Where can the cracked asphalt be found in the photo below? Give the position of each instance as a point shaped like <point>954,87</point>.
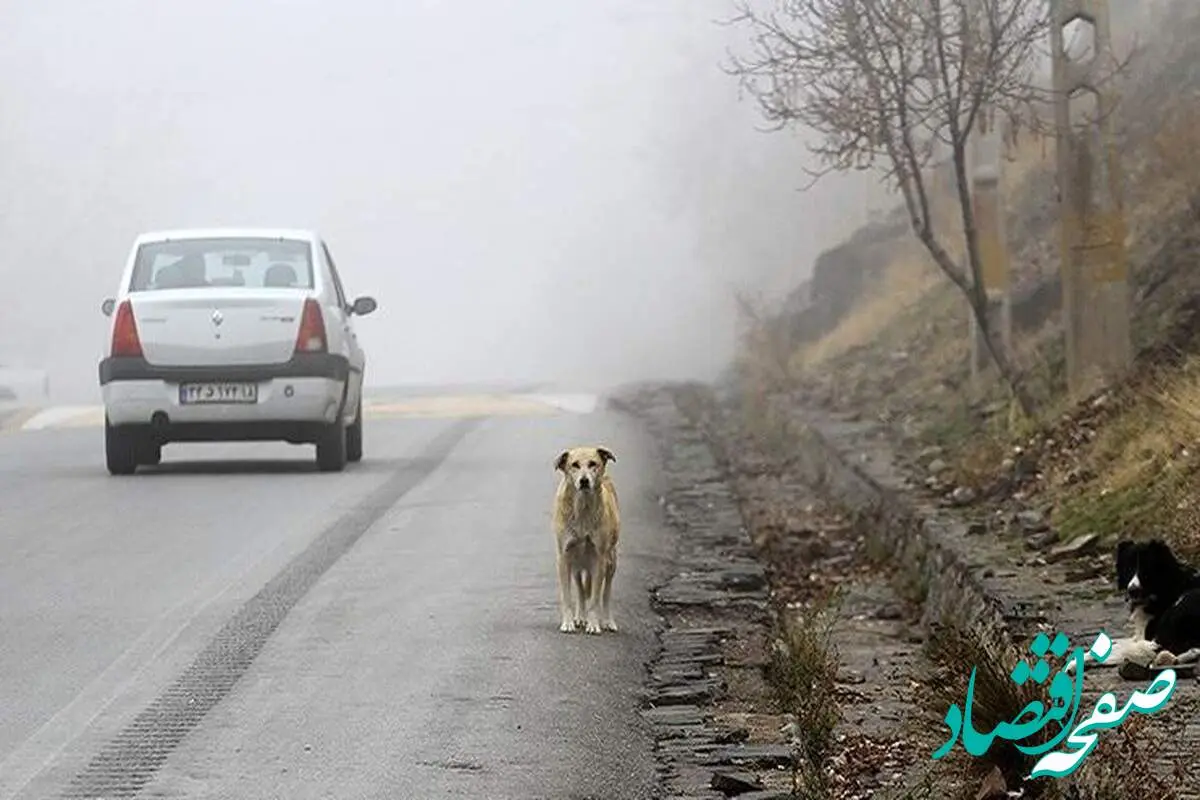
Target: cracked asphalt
<point>234,624</point>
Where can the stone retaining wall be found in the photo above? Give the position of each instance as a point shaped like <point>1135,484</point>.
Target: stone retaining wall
<point>980,581</point>
<point>854,468</point>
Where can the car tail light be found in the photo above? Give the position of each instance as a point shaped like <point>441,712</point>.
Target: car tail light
<point>311,338</point>
<point>125,339</point>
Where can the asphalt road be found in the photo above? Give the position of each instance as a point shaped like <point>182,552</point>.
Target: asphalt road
<point>234,624</point>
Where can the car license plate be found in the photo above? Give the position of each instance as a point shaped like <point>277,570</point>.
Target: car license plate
<point>217,393</point>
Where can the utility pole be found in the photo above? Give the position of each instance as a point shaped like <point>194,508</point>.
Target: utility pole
<point>986,168</point>
<point>987,210</point>
<point>1095,275</point>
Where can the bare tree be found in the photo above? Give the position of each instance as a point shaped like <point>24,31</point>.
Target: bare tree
<point>897,86</point>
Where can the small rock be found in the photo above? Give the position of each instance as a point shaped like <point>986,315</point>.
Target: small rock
<point>993,786</point>
<point>1087,572</point>
<point>851,677</point>
<point>929,454</point>
<point>674,715</point>
<point>731,783</point>
<point>1040,541</point>
<point>1032,521</point>
<point>733,736</point>
<point>1007,465</point>
<point>1074,476</point>
<point>976,529</point>
<point>962,496</point>
<point>1079,546</point>
<point>1133,671</point>
<point>1024,467</point>
<point>760,756</point>
<point>994,408</point>
<point>890,612</point>
<point>938,466</point>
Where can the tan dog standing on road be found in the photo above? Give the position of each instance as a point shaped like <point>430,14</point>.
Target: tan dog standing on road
<point>587,526</point>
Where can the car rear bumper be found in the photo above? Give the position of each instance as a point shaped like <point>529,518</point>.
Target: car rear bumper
<point>283,403</point>
<point>302,365</point>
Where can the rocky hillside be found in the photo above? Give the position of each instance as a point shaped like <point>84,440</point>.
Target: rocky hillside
<point>878,331</point>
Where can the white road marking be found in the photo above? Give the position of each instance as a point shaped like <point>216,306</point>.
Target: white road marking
<point>435,406</point>
<point>62,417</point>
<point>574,403</point>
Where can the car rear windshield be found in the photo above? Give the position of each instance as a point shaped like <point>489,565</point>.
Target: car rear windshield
<point>200,263</point>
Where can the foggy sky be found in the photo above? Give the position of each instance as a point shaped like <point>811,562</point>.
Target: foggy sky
<point>561,190</point>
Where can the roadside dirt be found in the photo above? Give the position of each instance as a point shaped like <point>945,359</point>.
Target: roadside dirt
<point>738,503</point>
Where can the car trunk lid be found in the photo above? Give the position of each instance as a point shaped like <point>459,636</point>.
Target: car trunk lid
<point>215,327</point>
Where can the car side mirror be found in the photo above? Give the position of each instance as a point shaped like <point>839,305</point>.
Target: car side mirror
<point>107,307</point>
<point>363,306</point>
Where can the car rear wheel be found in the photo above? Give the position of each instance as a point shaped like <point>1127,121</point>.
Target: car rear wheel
<point>354,437</point>
<point>150,454</point>
<point>331,448</point>
<point>120,450</point>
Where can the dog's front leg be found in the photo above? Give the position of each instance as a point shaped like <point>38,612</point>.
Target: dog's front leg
<point>564,596</point>
<point>592,592</point>
<point>610,570</point>
<point>583,611</point>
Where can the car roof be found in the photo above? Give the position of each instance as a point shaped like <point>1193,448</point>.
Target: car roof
<point>228,233</point>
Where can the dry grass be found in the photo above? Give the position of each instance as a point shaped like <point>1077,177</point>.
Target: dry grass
<point>1172,171</point>
<point>1121,766</point>
<point>906,281</point>
<point>914,309</point>
<point>1142,467</point>
<point>802,671</point>
<point>954,650</point>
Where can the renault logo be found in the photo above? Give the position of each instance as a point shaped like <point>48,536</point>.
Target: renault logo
<point>217,317</point>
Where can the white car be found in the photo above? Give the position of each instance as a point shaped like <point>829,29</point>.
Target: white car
<point>232,335</point>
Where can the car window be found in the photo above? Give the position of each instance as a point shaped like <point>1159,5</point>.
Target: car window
<point>211,263</point>
<point>337,279</point>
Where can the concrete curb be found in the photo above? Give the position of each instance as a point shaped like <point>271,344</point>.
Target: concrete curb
<point>716,594</point>
<point>852,465</point>
<point>929,546</point>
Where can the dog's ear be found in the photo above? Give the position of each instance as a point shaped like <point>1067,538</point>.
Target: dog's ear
<point>1160,552</point>
<point>1123,549</point>
<point>606,454</point>
<point>561,463</point>
<point>1126,562</point>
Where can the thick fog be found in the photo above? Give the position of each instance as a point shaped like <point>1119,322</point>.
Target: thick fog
<point>534,190</point>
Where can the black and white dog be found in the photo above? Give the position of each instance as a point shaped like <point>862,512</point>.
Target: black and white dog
<point>1163,595</point>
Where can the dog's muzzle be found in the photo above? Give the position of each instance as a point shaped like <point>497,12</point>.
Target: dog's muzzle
<point>1135,593</point>
<point>585,484</point>
<point>1137,597</point>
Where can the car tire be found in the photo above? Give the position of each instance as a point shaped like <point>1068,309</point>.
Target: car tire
<point>331,448</point>
<point>354,437</point>
<point>150,454</point>
<point>120,450</point>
